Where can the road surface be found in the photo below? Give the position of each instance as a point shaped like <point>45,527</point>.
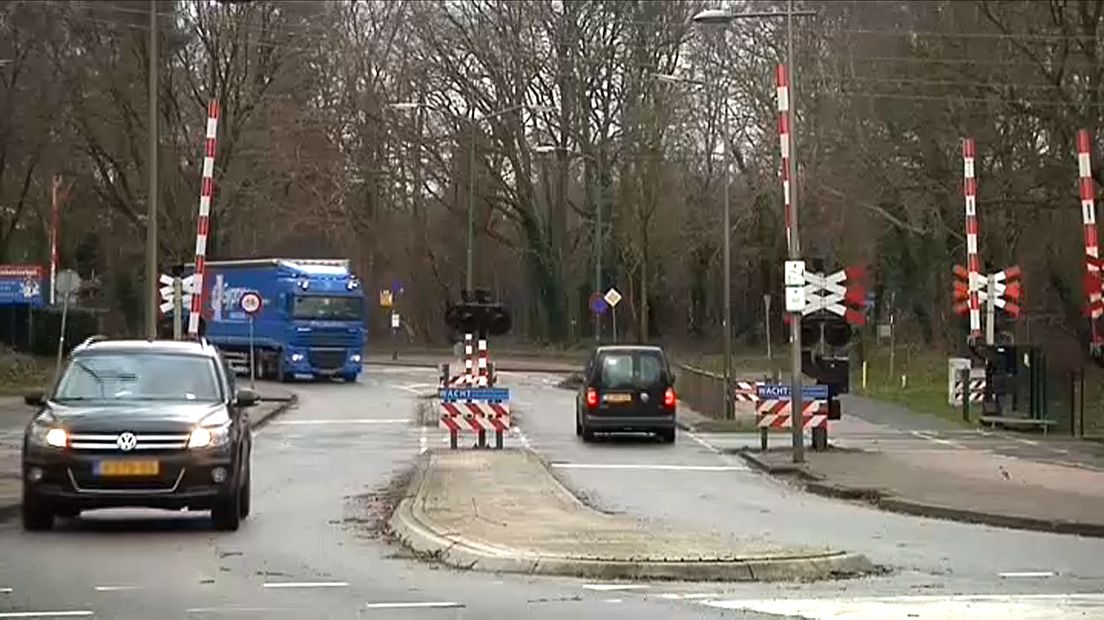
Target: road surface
<point>311,549</point>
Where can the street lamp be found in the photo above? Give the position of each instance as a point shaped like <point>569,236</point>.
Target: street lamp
<point>726,231</point>
<point>720,17</point>
<point>151,221</point>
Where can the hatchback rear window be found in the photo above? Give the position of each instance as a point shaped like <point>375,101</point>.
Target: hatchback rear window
<point>631,369</point>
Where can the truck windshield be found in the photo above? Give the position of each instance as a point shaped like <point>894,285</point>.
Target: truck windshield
<point>326,308</point>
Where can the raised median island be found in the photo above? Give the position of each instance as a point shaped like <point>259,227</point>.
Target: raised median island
<point>504,511</point>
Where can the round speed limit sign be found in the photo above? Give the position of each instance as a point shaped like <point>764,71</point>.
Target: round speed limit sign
<point>251,303</point>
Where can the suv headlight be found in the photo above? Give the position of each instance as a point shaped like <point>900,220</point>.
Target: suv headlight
<point>212,431</point>
<point>44,433</point>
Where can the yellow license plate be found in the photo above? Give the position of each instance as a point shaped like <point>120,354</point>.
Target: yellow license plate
<point>618,398</point>
<point>128,468</point>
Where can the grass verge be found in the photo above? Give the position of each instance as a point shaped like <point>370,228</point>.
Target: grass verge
<point>20,373</point>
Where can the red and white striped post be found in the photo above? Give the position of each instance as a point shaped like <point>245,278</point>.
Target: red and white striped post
<point>469,359</point>
<point>482,374</point>
<point>203,221</point>
<point>1088,218</point>
<point>55,223</point>
<point>973,264</point>
<point>783,86</point>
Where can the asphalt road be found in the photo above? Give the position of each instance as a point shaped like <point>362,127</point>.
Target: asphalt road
<point>310,549</point>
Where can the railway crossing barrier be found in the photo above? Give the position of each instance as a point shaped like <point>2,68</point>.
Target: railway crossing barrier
<point>774,411</point>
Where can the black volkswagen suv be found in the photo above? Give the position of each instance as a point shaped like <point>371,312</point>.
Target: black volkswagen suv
<point>627,388</point>
<point>154,424</point>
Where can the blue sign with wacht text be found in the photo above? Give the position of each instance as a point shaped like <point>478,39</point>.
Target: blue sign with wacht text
<point>491,395</point>
<point>782,392</point>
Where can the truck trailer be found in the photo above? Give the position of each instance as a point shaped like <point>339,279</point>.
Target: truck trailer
<point>311,323</point>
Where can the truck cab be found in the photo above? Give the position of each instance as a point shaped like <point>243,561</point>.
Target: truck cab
<point>311,324</point>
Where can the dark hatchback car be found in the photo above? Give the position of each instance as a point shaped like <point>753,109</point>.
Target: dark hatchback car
<point>627,388</point>
<point>154,424</point>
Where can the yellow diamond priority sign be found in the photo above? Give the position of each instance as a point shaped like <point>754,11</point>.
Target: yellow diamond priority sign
<point>385,298</point>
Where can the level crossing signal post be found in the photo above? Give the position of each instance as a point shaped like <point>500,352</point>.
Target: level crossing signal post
<point>471,402</point>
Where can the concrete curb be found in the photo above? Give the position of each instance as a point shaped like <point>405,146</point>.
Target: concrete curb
<point>417,532</point>
<point>817,485</point>
<point>8,511</point>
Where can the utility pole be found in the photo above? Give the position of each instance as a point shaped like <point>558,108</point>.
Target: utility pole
<point>795,254</point>
<point>151,214</point>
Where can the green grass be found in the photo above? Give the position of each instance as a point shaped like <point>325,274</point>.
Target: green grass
<point>21,373</point>
<point>924,389</point>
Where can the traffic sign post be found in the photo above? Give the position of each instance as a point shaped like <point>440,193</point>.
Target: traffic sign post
<point>67,284</point>
<point>395,322</point>
<point>251,304</point>
<point>613,297</point>
<point>176,293</point>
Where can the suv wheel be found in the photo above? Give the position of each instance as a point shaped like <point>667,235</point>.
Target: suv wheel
<point>36,515</point>
<point>226,513</point>
<point>667,435</point>
<point>245,493</point>
<point>588,435</point>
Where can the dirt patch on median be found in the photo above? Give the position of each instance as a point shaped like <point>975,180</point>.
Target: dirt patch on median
<point>368,514</point>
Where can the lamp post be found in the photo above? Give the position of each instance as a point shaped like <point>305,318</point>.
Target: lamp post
<point>151,205</point>
<point>722,18</point>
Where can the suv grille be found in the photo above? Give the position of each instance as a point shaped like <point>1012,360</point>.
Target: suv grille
<point>84,481</point>
<point>102,442</point>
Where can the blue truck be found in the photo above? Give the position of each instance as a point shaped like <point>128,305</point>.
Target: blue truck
<point>311,323</point>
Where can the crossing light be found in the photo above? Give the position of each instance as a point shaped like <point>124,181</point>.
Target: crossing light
<point>478,314</point>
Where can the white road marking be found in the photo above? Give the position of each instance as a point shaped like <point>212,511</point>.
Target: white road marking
<point>307,584</point>
<point>933,438</point>
<point>236,610</point>
<point>81,613</point>
<point>614,600</point>
<point>114,588</point>
<point>649,466</point>
<point>415,388</point>
<point>1028,574</point>
<point>5,590</point>
<point>672,596</point>
<point>423,605</point>
<point>611,587</point>
<point>1020,606</point>
<point>348,421</point>
<point>423,442</point>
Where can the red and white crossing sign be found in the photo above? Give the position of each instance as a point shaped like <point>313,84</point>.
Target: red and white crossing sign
<point>1007,290</point>
<point>842,293</point>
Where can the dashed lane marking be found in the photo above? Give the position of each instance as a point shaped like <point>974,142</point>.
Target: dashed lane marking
<point>650,466</point>
<point>934,439</point>
<point>1022,606</point>
<point>423,442</point>
<point>114,588</point>
<point>5,590</point>
<point>415,605</point>
<point>222,611</point>
<point>1029,574</point>
<point>339,421</point>
<point>306,584</point>
<point>522,438</point>
<point>75,613</point>
<point>613,587</point>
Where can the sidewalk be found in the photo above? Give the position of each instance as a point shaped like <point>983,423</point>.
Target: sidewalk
<point>502,510</point>
<point>14,415</point>
<point>927,466</point>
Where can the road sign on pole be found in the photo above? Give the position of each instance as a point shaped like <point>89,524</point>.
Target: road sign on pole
<point>386,298</point>
<point>613,297</point>
<point>251,304</point>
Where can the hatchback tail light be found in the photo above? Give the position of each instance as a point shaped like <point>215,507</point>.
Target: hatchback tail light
<point>669,398</point>
<point>592,398</point>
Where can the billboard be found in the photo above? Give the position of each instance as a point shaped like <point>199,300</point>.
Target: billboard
<point>21,285</point>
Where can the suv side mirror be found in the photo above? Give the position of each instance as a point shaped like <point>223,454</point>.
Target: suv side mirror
<point>246,398</point>
<point>35,399</point>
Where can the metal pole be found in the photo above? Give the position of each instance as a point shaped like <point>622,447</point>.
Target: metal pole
<point>252,358</point>
<point>990,311</point>
<point>726,321</point>
<point>469,279</point>
<point>613,314</point>
<point>767,323</point>
<point>964,381</point>
<point>151,214</point>
<point>598,260</point>
<point>61,338</point>
<point>178,309</point>
<point>795,254</point>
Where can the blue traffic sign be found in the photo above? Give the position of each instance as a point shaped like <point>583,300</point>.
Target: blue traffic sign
<point>782,392</point>
<point>491,395</point>
<point>598,304</point>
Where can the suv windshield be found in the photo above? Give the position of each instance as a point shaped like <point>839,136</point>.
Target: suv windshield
<point>139,376</point>
<point>326,308</point>
<point>630,369</point>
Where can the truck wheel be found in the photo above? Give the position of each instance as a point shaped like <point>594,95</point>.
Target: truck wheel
<point>280,367</point>
<point>349,378</point>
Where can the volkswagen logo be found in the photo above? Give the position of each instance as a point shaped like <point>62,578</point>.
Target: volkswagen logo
<point>126,442</point>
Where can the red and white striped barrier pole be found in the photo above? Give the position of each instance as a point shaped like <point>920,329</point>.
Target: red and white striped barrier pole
<point>1092,249</point>
<point>469,360</point>
<point>55,222</point>
<point>203,221</point>
<point>783,85</point>
<point>482,371</point>
<point>973,264</point>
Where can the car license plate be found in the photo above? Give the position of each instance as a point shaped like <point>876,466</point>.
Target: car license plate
<point>127,468</point>
<point>618,398</point>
